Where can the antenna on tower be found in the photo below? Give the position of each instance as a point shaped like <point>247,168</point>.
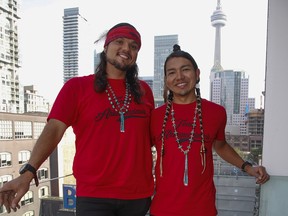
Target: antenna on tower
<point>218,4</point>
<point>218,20</point>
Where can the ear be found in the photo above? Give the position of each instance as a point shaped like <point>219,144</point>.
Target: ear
<point>105,49</point>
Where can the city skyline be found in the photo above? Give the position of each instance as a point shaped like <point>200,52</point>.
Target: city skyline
<point>243,37</point>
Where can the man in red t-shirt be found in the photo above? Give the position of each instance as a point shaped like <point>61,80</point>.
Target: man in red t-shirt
<point>184,131</point>
<point>110,115</point>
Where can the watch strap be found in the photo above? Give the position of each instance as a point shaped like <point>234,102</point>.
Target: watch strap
<point>246,163</point>
<point>30,168</point>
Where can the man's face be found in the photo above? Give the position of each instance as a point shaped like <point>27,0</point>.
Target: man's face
<point>122,53</point>
<point>181,79</point>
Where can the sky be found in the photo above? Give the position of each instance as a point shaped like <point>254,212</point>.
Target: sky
<point>243,38</point>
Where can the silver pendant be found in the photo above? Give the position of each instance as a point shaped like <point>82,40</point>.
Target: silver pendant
<point>185,179</point>
<point>122,119</point>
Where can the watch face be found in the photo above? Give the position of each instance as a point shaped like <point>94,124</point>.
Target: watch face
<point>23,168</point>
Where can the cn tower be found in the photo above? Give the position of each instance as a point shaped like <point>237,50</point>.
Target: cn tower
<point>218,20</point>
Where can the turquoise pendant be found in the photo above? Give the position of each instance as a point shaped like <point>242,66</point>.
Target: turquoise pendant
<point>122,119</point>
<point>185,179</point>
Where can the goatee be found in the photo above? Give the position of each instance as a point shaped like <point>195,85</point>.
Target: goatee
<point>118,65</point>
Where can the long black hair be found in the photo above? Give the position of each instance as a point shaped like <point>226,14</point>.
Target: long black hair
<point>100,83</point>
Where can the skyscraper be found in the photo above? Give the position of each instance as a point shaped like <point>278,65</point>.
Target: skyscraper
<point>229,88</point>
<point>163,46</point>
<point>10,96</point>
<point>76,48</point>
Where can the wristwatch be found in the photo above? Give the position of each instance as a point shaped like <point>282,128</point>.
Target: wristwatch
<point>30,168</point>
<point>246,163</point>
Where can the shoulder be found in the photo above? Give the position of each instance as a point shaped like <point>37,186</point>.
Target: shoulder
<point>144,85</point>
<point>147,91</point>
<point>80,79</point>
<point>213,106</point>
<point>80,82</point>
<point>213,112</point>
<point>159,111</point>
<point>157,116</point>
<point>77,85</point>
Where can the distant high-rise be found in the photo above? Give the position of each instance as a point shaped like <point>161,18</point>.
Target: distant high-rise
<point>255,127</point>
<point>33,102</point>
<point>163,46</point>
<point>74,45</point>
<point>10,96</point>
<point>229,88</point>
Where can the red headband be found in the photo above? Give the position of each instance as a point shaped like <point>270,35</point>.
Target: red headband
<point>123,31</point>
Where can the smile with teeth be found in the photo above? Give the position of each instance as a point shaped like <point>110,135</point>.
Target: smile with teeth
<point>124,56</point>
<point>181,85</point>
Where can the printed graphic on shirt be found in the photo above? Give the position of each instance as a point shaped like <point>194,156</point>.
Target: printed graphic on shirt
<point>183,128</point>
<point>109,112</point>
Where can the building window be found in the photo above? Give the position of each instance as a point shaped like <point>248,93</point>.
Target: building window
<point>43,192</point>
<point>42,173</point>
<point>23,156</point>
<point>2,209</point>
<point>5,159</point>
<point>23,130</point>
<point>4,179</point>
<point>38,128</point>
<point>27,198</point>
<point>29,213</point>
<point>6,130</point>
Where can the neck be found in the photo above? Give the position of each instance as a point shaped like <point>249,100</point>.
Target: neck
<point>114,73</point>
<point>184,100</point>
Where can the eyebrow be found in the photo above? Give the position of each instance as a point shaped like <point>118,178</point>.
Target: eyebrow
<point>182,66</point>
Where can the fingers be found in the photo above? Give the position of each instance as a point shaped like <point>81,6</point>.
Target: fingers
<point>16,199</point>
<point>260,173</point>
<point>263,179</point>
<point>4,196</point>
<point>7,199</point>
<point>11,198</point>
<point>12,192</point>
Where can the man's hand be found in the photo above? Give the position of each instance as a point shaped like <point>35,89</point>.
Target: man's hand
<point>12,192</point>
<point>259,172</point>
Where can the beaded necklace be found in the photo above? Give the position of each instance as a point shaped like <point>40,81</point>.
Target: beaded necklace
<point>198,110</point>
<point>180,147</point>
<point>116,104</point>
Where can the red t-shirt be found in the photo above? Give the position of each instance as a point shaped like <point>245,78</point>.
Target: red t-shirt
<point>107,162</point>
<point>172,197</point>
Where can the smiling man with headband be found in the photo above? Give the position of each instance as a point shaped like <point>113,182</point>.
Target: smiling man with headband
<point>109,112</point>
